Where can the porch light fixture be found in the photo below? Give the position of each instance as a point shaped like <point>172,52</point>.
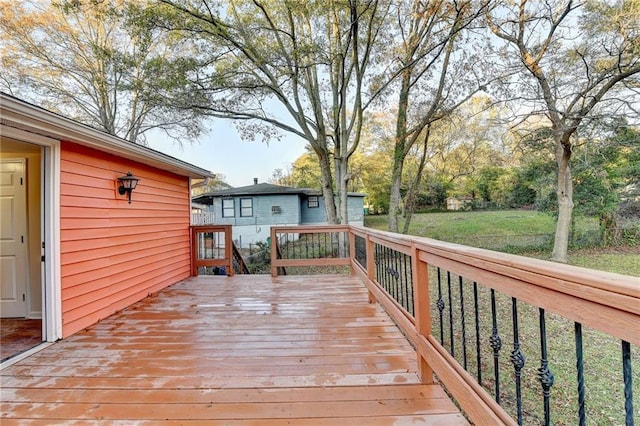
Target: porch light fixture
<point>127,184</point>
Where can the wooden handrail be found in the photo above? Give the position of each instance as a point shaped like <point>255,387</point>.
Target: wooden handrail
<point>226,261</point>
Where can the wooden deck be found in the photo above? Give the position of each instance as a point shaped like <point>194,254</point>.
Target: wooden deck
<point>232,350</point>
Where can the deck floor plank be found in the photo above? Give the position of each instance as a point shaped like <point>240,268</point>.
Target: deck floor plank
<point>238,350</point>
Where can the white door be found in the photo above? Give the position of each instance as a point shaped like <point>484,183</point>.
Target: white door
<point>13,238</point>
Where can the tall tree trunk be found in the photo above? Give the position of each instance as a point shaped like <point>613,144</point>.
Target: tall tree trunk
<point>410,199</point>
<point>327,188</point>
<point>344,192</point>
<point>564,193</point>
<point>395,196</point>
<point>399,152</point>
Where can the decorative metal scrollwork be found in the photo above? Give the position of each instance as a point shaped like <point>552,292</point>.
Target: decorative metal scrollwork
<point>395,274</point>
<point>495,341</point>
<point>518,359</point>
<point>546,377</point>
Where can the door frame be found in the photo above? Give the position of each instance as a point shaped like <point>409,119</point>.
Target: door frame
<point>22,252</point>
<point>50,229</point>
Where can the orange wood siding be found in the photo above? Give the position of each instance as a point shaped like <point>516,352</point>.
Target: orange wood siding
<point>114,253</point>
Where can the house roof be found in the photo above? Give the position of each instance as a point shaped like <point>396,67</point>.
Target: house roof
<point>22,116</point>
<point>260,189</point>
<point>255,189</point>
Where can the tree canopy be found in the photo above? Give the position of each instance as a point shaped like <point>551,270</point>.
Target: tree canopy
<point>409,100</point>
<point>298,67</point>
<point>92,61</point>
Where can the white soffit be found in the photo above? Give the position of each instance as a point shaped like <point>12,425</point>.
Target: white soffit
<point>24,116</point>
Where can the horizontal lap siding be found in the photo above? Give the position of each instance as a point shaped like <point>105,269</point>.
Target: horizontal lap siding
<point>114,253</point>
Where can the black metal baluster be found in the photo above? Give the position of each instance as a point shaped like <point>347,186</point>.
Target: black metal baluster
<point>582,418</point>
<point>517,358</point>
<point>496,344</point>
<point>410,287</point>
<point>440,305</point>
<point>397,264</point>
<point>387,282</point>
<point>405,284</point>
<point>376,253</point>
<point>453,352</point>
<point>464,328</point>
<point>326,246</point>
<point>396,292</point>
<point>477,318</point>
<point>400,274</point>
<point>385,257</point>
<point>544,373</point>
<point>383,265</point>
<point>628,390</point>
<point>396,269</point>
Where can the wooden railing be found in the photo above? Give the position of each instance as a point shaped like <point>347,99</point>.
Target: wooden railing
<point>211,247</point>
<point>199,219</point>
<point>307,246</point>
<point>462,306</point>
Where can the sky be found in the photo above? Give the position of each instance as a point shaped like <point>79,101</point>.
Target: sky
<point>222,151</point>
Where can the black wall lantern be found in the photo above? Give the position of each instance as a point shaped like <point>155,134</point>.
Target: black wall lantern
<point>127,184</point>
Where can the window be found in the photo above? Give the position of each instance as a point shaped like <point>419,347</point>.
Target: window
<point>313,202</point>
<point>246,207</point>
<point>228,208</point>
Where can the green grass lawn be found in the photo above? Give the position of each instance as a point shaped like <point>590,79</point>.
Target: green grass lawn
<point>460,225</point>
<point>622,261</point>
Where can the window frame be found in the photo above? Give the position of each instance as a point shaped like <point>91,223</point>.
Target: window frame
<point>227,208</point>
<point>242,208</point>
<point>317,202</point>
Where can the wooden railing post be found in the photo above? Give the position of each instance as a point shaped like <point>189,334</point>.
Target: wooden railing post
<point>228,249</point>
<point>421,303</point>
<point>198,246</point>
<point>274,251</point>
<point>352,248</point>
<point>371,265</point>
<point>194,252</point>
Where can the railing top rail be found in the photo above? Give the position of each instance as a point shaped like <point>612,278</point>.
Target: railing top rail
<point>210,228</point>
<point>310,228</point>
<point>609,281</point>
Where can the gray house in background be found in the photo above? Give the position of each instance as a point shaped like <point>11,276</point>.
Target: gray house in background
<point>253,209</point>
